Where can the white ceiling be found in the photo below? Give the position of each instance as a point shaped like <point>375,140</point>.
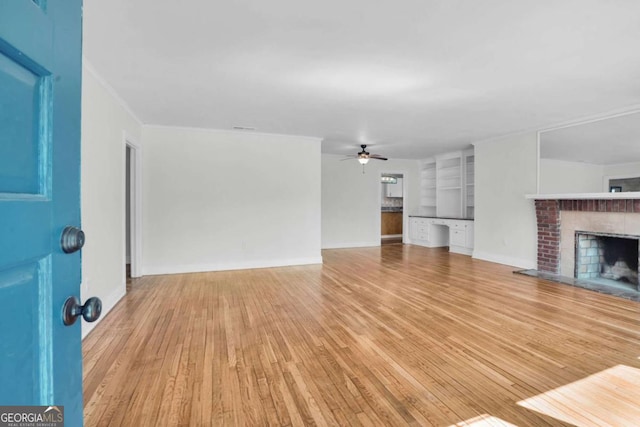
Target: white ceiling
<point>411,78</point>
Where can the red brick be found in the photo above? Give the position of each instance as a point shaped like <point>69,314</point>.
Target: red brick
<point>602,205</point>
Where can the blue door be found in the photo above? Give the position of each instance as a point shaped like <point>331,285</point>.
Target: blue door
<point>40,72</point>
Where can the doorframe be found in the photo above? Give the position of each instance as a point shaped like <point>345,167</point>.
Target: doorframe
<point>135,203</point>
<point>405,214</point>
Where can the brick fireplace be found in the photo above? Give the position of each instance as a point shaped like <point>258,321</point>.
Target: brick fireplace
<point>560,221</point>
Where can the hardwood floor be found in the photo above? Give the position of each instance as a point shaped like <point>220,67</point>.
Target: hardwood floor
<point>391,240</point>
<point>396,335</point>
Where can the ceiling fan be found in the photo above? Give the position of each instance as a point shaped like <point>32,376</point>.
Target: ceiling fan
<point>364,156</point>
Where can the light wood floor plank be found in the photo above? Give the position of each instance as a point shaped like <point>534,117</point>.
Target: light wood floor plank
<point>396,335</point>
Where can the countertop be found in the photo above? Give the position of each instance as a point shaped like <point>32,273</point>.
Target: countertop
<point>385,209</point>
<point>440,217</point>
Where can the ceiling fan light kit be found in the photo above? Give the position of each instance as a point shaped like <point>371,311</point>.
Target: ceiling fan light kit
<point>364,156</point>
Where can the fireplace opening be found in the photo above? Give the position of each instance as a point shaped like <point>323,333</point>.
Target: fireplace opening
<point>607,258</point>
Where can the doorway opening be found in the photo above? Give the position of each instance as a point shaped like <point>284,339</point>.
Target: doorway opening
<point>132,211</point>
<point>391,208</point>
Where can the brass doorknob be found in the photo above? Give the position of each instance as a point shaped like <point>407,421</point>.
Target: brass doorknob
<point>90,311</point>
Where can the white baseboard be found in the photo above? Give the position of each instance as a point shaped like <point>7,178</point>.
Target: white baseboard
<point>390,236</point>
<point>460,250</point>
<point>244,265</point>
<point>506,260</point>
<point>107,304</point>
<point>426,244</point>
<point>347,245</point>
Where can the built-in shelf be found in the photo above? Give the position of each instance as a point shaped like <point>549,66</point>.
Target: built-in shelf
<point>469,176</point>
<point>445,168</point>
<point>428,182</point>
<point>446,185</point>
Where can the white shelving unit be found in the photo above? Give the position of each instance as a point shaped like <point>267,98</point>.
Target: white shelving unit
<point>428,187</point>
<point>469,179</point>
<point>447,185</point>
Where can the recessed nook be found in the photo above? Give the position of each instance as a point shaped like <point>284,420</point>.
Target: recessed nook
<point>608,259</point>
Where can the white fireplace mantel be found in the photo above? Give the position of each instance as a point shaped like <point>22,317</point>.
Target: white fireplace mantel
<point>585,196</point>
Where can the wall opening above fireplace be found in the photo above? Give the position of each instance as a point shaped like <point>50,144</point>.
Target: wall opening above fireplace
<point>602,256</point>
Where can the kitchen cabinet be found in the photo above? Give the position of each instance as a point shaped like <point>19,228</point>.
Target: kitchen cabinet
<point>394,190</point>
<point>391,223</point>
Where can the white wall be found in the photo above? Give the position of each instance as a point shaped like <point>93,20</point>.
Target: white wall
<point>505,222</point>
<point>104,118</point>
<point>559,176</point>
<point>351,200</point>
<point>629,169</point>
<point>220,200</point>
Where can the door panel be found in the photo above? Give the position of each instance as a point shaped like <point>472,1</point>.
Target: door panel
<point>40,69</point>
<point>20,160</point>
<point>27,284</point>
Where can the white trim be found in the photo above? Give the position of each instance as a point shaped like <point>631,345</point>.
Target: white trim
<point>584,196</point>
<point>236,132</point>
<point>405,211</point>
<point>538,162</point>
<point>595,118</point>
<point>505,260</point>
<point>92,70</point>
<point>460,250</point>
<point>584,120</point>
<point>135,202</point>
<point>348,245</point>
<point>199,268</point>
<point>107,305</point>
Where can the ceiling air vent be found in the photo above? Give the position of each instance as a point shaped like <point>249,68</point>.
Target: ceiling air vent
<point>245,128</point>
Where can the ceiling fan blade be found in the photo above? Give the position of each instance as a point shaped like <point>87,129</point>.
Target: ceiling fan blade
<point>377,157</point>
<point>349,158</point>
